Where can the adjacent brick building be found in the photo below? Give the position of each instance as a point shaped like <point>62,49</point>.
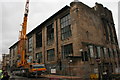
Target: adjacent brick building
<point>77,40</point>
<point>5,62</point>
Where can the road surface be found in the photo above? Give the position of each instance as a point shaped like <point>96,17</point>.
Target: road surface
<point>13,77</point>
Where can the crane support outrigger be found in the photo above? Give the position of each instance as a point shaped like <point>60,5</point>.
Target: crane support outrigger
<point>23,66</point>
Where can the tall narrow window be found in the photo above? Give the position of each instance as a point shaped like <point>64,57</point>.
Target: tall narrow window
<point>106,29</point>
<point>67,50</point>
<point>65,27</point>
<point>110,52</point>
<point>91,51</point>
<point>98,52</point>
<point>50,55</point>
<point>39,57</point>
<point>111,33</point>
<point>102,52</point>
<point>118,54</point>
<point>115,53</point>
<point>14,51</point>
<point>30,44</point>
<point>115,37</point>
<point>50,33</point>
<point>105,52</point>
<point>84,56</point>
<point>39,39</point>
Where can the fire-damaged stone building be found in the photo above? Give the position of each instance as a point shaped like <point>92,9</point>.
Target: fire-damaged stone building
<point>77,40</point>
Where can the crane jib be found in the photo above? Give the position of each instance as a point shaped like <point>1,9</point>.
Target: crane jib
<point>22,37</point>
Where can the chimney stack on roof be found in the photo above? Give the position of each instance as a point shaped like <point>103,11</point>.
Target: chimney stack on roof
<point>75,1</point>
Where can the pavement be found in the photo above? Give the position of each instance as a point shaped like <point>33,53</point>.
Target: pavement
<point>52,77</point>
<point>46,77</point>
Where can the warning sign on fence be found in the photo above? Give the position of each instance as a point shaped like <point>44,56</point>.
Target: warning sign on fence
<point>53,70</point>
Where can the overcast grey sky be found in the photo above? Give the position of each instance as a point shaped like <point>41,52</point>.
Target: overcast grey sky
<point>12,11</point>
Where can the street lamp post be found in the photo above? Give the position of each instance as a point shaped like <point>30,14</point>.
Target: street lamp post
<point>99,68</point>
<point>70,61</point>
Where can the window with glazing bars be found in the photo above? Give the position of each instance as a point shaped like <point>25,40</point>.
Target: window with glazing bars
<point>65,27</point>
<point>39,39</point>
<point>30,44</point>
<point>50,55</point>
<point>98,52</point>
<point>110,52</point>
<point>91,51</point>
<point>50,33</point>
<point>105,52</point>
<point>39,57</point>
<point>67,50</point>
